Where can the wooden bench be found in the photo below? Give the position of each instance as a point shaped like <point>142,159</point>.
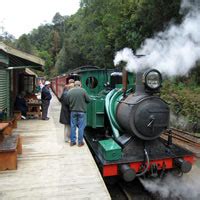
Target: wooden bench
<point>12,124</point>
<point>9,148</point>
<point>3,126</point>
<point>5,129</point>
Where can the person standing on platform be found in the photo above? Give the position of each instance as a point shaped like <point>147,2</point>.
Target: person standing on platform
<point>45,97</point>
<point>65,112</point>
<point>77,99</point>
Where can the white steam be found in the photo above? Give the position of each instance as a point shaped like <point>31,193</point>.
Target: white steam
<point>186,187</point>
<point>174,51</point>
<point>127,56</point>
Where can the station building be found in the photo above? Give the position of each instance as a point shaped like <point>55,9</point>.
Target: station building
<point>16,76</point>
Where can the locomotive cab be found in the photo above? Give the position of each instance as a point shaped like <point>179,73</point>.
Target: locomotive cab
<point>115,78</point>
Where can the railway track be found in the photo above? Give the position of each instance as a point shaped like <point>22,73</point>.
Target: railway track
<point>184,137</point>
<point>185,140</point>
<point>134,190</point>
<point>129,191</point>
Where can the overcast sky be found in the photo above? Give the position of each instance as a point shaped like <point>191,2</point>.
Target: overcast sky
<point>21,16</point>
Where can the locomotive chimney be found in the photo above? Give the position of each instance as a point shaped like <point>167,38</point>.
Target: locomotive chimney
<point>139,87</point>
<point>124,81</point>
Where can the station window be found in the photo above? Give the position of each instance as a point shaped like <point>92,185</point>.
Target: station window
<point>26,83</point>
<point>91,82</point>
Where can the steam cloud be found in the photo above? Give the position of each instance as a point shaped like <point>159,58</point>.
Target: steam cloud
<point>173,52</point>
<point>186,187</point>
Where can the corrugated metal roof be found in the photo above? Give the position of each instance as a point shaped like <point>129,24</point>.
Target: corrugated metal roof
<point>18,58</point>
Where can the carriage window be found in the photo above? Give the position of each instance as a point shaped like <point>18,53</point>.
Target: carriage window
<point>91,82</point>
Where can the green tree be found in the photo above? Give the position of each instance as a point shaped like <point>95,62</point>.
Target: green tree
<point>69,57</point>
<point>40,37</point>
<point>58,18</point>
<point>100,28</point>
<point>55,44</point>
<point>48,62</point>
<point>24,44</point>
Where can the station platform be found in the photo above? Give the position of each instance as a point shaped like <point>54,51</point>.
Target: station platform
<point>49,168</point>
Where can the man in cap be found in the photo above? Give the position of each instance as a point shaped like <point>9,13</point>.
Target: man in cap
<point>46,97</point>
<point>77,99</point>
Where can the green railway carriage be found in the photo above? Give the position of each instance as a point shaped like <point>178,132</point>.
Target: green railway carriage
<point>98,83</point>
<point>93,81</point>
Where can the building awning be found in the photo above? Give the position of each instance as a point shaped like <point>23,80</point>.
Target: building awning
<point>30,72</point>
<point>18,59</point>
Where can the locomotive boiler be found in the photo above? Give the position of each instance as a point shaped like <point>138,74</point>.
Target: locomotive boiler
<point>125,120</point>
<point>147,114</point>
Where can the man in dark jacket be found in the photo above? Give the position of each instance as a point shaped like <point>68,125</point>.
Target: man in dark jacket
<point>65,112</point>
<point>21,105</point>
<point>77,99</point>
<point>46,97</point>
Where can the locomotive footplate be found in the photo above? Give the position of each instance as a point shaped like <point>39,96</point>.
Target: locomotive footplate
<point>133,152</point>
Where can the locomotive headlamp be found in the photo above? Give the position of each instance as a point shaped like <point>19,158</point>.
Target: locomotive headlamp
<point>153,79</point>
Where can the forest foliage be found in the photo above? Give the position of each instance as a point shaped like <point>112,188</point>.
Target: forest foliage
<point>97,31</point>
